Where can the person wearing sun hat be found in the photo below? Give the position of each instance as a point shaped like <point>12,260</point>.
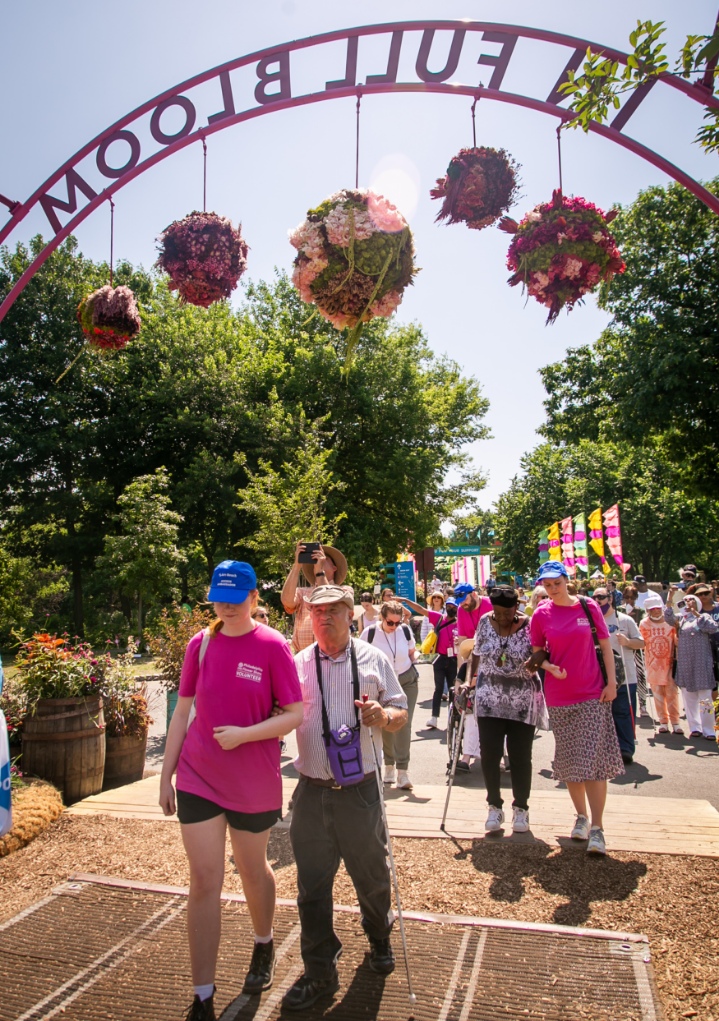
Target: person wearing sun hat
<point>328,567</point>
<point>695,662</point>
<point>228,771</point>
<point>660,643</point>
<point>579,704</point>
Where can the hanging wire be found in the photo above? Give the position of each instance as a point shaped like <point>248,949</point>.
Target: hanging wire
<point>204,175</point>
<point>559,157</point>
<point>357,138</point>
<point>474,122</point>
<point>112,240</point>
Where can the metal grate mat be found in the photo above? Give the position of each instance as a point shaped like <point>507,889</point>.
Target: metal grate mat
<point>96,952</point>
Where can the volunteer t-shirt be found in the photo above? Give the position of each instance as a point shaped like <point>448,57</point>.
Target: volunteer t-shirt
<point>567,635</point>
<point>237,685</point>
<point>445,639</point>
<point>467,620</point>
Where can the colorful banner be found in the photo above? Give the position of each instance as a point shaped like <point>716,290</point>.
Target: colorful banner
<point>580,543</point>
<point>568,546</point>
<point>543,546</point>
<point>596,538</point>
<point>613,532</point>
<point>555,543</point>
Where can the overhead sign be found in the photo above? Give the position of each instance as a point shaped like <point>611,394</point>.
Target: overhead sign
<point>459,551</point>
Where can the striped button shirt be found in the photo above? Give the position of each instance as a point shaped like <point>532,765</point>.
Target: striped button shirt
<point>377,680</point>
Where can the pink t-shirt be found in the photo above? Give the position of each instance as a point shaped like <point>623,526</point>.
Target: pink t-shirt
<point>445,639</point>
<point>566,634</point>
<point>467,620</point>
<point>237,684</point>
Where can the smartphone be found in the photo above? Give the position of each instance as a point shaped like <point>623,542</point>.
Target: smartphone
<point>681,604</point>
<point>305,556</point>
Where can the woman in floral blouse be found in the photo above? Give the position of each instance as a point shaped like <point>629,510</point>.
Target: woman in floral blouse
<point>508,703</point>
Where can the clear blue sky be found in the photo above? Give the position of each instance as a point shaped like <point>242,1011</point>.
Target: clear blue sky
<point>70,69</point>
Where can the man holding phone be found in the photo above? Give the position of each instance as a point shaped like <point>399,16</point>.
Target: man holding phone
<point>320,565</point>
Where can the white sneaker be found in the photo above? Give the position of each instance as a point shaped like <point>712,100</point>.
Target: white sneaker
<point>595,844</point>
<point>403,781</point>
<point>432,722</point>
<point>390,774</point>
<point>581,828</point>
<point>495,819</point>
<point>520,820</point>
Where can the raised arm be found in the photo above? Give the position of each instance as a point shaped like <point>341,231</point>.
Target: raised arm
<point>415,606</point>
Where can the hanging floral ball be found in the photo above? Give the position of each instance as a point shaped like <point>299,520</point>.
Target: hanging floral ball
<point>561,251</point>
<point>204,255</point>
<point>480,185</point>
<point>109,317</point>
<point>355,256</point>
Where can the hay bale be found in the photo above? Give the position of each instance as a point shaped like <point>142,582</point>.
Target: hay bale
<point>34,807</point>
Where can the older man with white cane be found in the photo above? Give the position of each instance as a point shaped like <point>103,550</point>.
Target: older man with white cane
<point>348,687</point>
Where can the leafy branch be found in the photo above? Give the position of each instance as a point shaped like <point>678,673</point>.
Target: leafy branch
<point>603,81</point>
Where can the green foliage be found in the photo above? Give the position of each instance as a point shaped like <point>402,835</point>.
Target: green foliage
<point>52,667</point>
<point>29,593</point>
<point>125,705</point>
<point>290,503</point>
<point>169,639</point>
<point>596,91</point>
<point>13,703</point>
<point>663,526</point>
<point>654,373</point>
<point>144,559</point>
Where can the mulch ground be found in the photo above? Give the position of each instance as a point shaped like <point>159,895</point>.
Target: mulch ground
<point>673,900</point>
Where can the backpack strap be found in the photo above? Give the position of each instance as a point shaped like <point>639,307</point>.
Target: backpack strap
<point>370,636</point>
<point>595,639</point>
<point>204,643</point>
<point>407,632</point>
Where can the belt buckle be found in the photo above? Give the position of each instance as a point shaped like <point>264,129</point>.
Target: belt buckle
<point>336,786</point>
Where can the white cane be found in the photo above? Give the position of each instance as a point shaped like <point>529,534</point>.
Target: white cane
<point>393,870</point>
<point>453,769</point>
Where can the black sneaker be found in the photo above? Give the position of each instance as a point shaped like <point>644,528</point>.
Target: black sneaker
<point>201,1010</point>
<point>307,991</point>
<point>381,958</point>
<point>262,967</point>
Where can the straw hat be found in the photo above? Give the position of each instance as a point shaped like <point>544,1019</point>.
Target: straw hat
<point>466,648</point>
<point>337,559</point>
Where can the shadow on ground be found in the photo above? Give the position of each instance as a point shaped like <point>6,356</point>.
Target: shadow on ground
<point>568,873</point>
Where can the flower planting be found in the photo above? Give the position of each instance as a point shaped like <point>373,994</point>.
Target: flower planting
<point>355,257</point>
<point>480,185</point>
<point>204,256</point>
<point>561,251</point>
<point>109,317</point>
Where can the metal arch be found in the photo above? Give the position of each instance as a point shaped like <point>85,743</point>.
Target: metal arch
<point>20,210</point>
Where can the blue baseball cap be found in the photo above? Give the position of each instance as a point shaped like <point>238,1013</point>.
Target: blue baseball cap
<point>462,591</point>
<point>552,569</point>
<point>451,601</point>
<point>232,582</point>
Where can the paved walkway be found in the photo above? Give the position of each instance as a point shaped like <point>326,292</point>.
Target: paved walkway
<point>656,825</point>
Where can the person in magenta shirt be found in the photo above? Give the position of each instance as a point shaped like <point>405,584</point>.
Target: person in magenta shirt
<point>579,705</point>
<point>445,663</point>
<point>470,607</point>
<point>228,771</point>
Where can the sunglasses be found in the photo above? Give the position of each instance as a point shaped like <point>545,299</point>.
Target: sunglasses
<point>393,623</point>
<point>262,615</point>
<point>601,599</point>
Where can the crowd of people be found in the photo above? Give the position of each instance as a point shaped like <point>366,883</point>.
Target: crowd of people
<point>581,661</point>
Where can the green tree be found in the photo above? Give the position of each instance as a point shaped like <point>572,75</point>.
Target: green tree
<point>655,371</point>
<point>144,559</point>
<point>290,504</point>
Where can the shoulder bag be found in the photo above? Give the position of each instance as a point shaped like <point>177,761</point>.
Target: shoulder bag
<point>618,664</point>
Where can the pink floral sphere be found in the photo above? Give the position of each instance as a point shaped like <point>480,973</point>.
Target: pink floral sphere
<point>204,256</point>
<point>355,256</point>
<point>561,251</point>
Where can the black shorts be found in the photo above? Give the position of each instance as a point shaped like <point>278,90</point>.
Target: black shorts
<point>192,808</point>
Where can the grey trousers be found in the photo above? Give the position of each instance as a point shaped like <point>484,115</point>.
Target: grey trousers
<point>329,825</point>
<point>396,745</point>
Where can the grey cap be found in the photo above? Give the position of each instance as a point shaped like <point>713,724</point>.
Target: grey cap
<point>325,594</point>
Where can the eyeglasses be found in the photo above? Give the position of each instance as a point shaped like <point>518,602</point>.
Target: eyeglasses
<point>392,623</point>
<point>261,616</point>
<point>601,599</point>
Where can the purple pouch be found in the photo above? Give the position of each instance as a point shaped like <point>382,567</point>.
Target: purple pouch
<point>345,755</point>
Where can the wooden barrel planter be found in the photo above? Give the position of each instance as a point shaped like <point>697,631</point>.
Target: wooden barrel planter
<point>64,742</point>
<point>124,759</point>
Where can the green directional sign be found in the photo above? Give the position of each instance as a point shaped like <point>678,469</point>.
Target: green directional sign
<point>460,551</point>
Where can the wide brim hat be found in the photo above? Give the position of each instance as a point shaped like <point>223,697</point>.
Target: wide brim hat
<point>325,594</point>
<point>466,648</point>
<point>337,558</point>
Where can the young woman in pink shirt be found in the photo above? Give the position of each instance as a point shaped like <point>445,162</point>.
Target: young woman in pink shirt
<point>580,704</point>
<point>228,771</point>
